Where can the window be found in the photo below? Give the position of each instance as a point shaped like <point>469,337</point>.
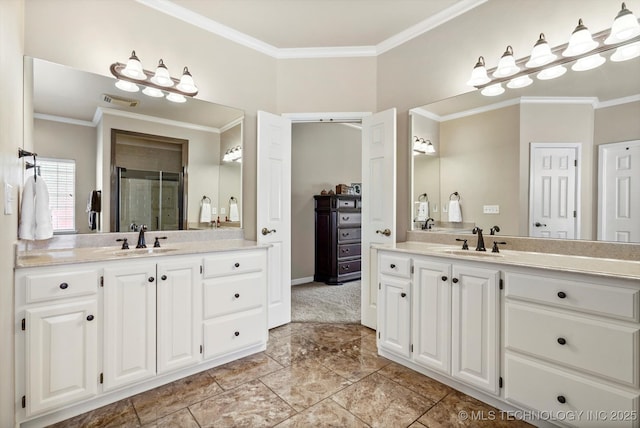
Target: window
<point>60,176</point>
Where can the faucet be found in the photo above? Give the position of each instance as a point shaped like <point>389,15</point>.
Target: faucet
<point>426,225</point>
<point>495,229</point>
<point>480,245</point>
<point>141,243</point>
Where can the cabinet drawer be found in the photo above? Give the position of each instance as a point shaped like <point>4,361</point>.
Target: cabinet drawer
<point>541,387</point>
<point>346,203</point>
<point>349,267</point>
<point>233,262</point>
<point>227,334</point>
<point>395,265</point>
<point>585,296</point>
<point>228,295</point>
<point>349,250</point>
<point>60,285</point>
<point>599,347</point>
<point>345,235</point>
<point>349,219</point>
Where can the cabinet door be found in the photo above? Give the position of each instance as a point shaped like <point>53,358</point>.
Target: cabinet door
<point>129,324</point>
<point>394,326</point>
<point>61,354</point>
<point>475,326</point>
<point>179,315</point>
<point>432,315</point>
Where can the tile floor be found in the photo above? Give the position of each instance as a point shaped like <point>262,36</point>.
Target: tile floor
<point>311,375</point>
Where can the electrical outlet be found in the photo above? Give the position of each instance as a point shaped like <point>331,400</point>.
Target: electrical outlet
<point>434,207</point>
<point>491,209</point>
<point>8,199</point>
<point>223,211</point>
<point>214,210</point>
<point>445,208</point>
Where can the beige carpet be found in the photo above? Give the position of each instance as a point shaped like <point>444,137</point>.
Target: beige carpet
<point>319,302</point>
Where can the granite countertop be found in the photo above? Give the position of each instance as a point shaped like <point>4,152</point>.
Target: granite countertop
<point>626,269</point>
<point>25,259</point>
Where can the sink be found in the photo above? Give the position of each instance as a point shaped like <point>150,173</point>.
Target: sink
<point>473,253</point>
<point>142,251</point>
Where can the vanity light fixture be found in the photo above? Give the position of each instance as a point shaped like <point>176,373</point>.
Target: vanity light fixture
<point>233,154</point>
<point>155,84</point>
<point>584,50</point>
<point>422,146</point>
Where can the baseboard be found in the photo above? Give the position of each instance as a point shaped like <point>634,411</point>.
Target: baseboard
<point>299,281</point>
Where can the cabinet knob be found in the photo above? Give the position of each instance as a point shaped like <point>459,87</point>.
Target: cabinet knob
<point>345,267</point>
<point>237,265</point>
<point>64,286</point>
<point>392,266</point>
<point>90,318</point>
<point>151,279</point>
<point>345,234</point>
<point>561,399</point>
<point>444,277</point>
<point>237,295</point>
<point>237,333</point>
<point>562,341</point>
<point>345,250</point>
<point>163,277</point>
<point>562,294</point>
<point>454,280</point>
<point>345,218</point>
<point>403,294</point>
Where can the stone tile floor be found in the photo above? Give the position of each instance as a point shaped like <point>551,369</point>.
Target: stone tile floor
<point>311,375</point>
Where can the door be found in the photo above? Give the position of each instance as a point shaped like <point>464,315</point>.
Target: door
<point>62,355</point>
<point>378,201</point>
<point>553,187</point>
<point>618,192</point>
<point>395,331</point>
<point>273,224</point>
<point>179,317</point>
<point>432,315</point>
<point>129,324</point>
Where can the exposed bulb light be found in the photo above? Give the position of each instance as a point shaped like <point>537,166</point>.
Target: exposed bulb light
<point>507,64</point>
<point>186,82</point>
<point>233,154</point>
<point>134,69</point>
<point>162,77</point>
<point>519,82</point>
<point>624,53</point>
<point>580,41</point>
<point>422,147</point>
<point>493,90</point>
<point>540,54</point>
<point>127,86</point>
<point>588,63</point>
<point>551,73</point>
<point>625,26</point>
<point>479,74</point>
<point>176,98</point>
<point>152,92</point>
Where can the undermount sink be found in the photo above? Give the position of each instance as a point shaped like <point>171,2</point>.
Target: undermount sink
<point>140,251</point>
<point>473,253</point>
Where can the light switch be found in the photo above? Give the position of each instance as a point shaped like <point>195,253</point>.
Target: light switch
<point>8,199</point>
<point>434,207</point>
<point>491,209</point>
<point>223,211</point>
<point>214,210</point>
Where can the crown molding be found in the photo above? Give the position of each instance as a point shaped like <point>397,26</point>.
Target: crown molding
<point>619,101</point>
<point>593,101</point>
<point>330,117</point>
<point>170,8</point>
<point>231,124</point>
<point>61,119</point>
<point>101,111</point>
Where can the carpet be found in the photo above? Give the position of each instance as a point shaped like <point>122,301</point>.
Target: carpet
<point>319,302</point>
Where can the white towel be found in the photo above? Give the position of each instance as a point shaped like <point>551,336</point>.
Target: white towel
<point>35,215</point>
<point>205,212</point>
<point>234,214</point>
<point>455,213</point>
<point>423,211</point>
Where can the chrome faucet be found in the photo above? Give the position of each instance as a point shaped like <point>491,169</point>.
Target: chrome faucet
<point>480,245</point>
<point>426,225</point>
<point>141,243</point>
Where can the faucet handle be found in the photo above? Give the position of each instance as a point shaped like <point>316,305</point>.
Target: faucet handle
<point>125,244</point>
<point>464,245</point>
<point>156,244</point>
<point>495,248</point>
<point>143,227</point>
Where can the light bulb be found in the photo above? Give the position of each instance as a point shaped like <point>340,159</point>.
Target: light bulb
<point>507,64</point>
<point>176,98</point>
<point>551,73</point>
<point>152,92</point>
<point>519,82</point>
<point>540,54</point>
<point>492,90</point>
<point>127,86</point>
<point>624,27</point>
<point>580,41</point>
<point>624,53</point>
<point>588,63</point>
<point>479,74</point>
<point>186,83</point>
<point>162,77</point>
<point>133,68</point>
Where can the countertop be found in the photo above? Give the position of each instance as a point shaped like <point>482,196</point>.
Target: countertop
<point>614,268</point>
<point>26,259</point>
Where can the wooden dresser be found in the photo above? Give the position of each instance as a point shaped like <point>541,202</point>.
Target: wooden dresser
<point>337,235</point>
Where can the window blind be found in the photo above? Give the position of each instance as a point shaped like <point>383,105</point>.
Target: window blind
<point>60,177</point>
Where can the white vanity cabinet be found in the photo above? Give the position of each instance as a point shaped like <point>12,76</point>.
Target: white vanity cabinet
<point>394,297</point>
<point>57,314</point>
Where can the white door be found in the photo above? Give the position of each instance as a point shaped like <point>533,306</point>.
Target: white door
<point>273,222</point>
<point>129,324</point>
<point>179,323</point>
<point>395,316</point>
<point>62,355</point>
<point>619,192</point>
<point>378,201</point>
<point>553,187</point>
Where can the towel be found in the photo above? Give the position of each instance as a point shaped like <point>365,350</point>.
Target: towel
<point>423,211</point>
<point>455,213</point>
<point>94,206</point>
<point>234,214</point>
<point>35,215</point>
<point>205,211</point>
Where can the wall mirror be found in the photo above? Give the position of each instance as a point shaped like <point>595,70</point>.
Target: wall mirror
<point>486,149</point>
<point>154,162</point>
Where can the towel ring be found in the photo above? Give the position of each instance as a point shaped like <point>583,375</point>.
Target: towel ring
<point>206,199</point>
<point>233,199</point>
<point>423,198</point>
<point>456,194</point>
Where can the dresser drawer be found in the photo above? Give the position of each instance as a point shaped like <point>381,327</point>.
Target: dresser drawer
<point>345,235</point>
<point>233,262</point>
<point>349,267</point>
<point>541,387</point>
<point>349,250</point>
<point>599,347</point>
<point>346,203</point>
<point>227,295</point>
<point>227,334</point>
<point>395,265</point>
<point>349,219</point>
<point>619,302</point>
<point>43,287</point>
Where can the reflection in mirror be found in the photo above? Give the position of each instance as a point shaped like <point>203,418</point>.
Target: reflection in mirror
<point>500,153</point>
<point>128,144</point>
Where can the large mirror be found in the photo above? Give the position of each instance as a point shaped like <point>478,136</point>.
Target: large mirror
<point>148,160</point>
<point>496,157</point>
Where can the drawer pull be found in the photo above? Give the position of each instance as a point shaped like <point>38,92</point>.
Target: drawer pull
<point>562,341</point>
<point>403,294</point>
<point>562,294</point>
<point>454,280</point>
<point>345,218</point>
<point>237,265</point>
<point>237,295</point>
<point>163,277</point>
<point>64,286</point>
<point>444,277</point>
<point>237,333</point>
<point>90,318</point>
<point>345,250</point>
<point>345,267</point>
<point>345,234</point>
<point>392,266</point>
<point>151,279</point>
<point>561,399</point>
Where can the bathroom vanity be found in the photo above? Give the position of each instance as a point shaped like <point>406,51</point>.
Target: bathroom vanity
<point>547,334</point>
<point>95,325</point>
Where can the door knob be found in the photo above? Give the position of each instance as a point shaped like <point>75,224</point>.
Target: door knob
<point>538,224</point>
<point>266,231</point>
<point>385,232</point>
<point>403,294</point>
<point>163,277</point>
